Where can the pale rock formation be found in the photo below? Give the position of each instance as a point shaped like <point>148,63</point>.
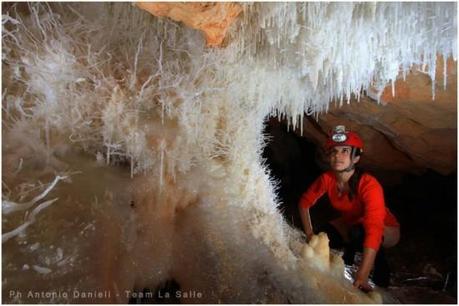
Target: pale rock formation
<point>318,249</point>
<point>422,132</point>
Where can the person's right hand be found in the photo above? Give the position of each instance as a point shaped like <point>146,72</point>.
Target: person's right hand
<point>362,284</point>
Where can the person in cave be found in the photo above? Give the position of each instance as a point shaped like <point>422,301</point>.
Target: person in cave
<point>365,223</point>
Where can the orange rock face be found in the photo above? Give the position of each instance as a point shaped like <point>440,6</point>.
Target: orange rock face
<point>418,89</point>
<point>408,132</point>
<point>213,19</point>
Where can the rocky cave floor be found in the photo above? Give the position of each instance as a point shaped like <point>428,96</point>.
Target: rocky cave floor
<point>424,263</point>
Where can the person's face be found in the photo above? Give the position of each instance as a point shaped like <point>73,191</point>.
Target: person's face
<point>340,158</point>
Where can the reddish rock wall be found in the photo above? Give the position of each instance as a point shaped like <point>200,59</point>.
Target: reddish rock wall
<point>408,132</point>
<point>213,19</point>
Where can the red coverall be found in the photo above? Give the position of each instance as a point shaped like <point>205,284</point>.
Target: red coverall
<point>367,207</point>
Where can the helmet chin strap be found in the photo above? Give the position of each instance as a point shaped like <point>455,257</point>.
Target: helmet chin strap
<point>348,169</point>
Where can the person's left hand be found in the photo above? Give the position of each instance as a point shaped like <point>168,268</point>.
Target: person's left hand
<point>362,285</point>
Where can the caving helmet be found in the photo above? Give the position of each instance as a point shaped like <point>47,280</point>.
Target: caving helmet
<point>339,136</point>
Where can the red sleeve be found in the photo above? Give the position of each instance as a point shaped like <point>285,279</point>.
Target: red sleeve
<point>372,196</point>
<point>314,192</point>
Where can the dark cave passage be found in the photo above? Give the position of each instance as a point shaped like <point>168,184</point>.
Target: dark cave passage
<point>424,263</point>
<point>292,162</point>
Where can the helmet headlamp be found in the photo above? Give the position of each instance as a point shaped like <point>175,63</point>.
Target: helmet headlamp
<point>340,137</point>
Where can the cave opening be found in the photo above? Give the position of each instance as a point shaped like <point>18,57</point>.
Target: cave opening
<point>424,262</point>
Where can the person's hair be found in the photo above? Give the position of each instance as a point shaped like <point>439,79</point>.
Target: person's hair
<point>354,183</point>
<point>355,178</point>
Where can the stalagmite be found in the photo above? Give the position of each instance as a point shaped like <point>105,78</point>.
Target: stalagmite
<point>163,137</point>
<point>319,250</point>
